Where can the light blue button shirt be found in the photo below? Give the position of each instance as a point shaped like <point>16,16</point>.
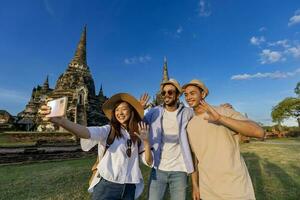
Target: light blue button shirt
<point>154,118</point>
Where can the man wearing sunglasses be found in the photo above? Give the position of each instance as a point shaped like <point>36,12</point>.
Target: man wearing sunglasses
<point>172,156</point>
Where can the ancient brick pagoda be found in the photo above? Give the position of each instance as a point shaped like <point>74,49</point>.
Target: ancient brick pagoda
<point>6,120</point>
<point>159,99</point>
<point>76,83</point>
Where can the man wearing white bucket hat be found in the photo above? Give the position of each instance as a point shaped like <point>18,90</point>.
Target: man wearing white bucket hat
<point>213,135</point>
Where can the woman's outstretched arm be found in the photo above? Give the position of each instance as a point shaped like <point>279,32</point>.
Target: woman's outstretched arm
<point>77,129</point>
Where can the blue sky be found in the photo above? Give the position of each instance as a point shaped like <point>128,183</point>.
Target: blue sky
<point>246,52</point>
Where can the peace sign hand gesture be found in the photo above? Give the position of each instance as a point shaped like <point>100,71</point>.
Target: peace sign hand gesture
<point>213,115</point>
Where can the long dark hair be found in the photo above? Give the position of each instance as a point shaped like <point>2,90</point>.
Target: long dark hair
<point>132,124</point>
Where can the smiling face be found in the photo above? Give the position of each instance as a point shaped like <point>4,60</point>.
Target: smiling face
<point>193,95</point>
<point>170,95</point>
<point>123,113</point>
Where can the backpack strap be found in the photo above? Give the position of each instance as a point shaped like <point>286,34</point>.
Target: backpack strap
<point>139,143</point>
<point>109,140</point>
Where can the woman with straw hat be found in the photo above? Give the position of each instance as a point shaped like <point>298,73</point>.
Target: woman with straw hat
<point>118,175</point>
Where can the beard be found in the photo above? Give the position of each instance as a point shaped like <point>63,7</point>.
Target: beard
<point>170,102</point>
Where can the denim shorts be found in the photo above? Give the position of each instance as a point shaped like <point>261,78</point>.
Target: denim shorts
<point>106,190</point>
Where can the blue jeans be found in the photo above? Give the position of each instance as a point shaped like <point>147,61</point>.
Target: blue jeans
<point>159,180</point>
<point>106,190</point>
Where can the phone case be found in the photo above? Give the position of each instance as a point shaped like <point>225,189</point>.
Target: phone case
<point>58,107</point>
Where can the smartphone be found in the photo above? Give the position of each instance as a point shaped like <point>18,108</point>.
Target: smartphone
<point>58,107</point>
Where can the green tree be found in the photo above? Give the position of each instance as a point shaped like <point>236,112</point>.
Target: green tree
<point>278,115</point>
<point>297,89</point>
<point>289,107</point>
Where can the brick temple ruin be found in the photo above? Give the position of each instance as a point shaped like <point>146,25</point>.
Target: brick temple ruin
<point>77,84</point>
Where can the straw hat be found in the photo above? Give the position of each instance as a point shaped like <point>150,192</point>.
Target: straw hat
<point>110,104</point>
<point>198,84</point>
<point>172,82</point>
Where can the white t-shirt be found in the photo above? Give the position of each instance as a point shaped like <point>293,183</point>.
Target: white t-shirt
<point>171,156</point>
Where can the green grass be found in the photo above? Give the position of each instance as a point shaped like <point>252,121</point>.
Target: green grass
<point>50,180</point>
<point>274,169</point>
<point>285,140</point>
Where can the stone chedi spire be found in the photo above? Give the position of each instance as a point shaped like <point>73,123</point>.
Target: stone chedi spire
<point>165,70</point>
<point>101,91</point>
<point>102,98</point>
<point>77,73</point>
<point>30,116</point>
<point>159,99</point>
<point>80,53</point>
<point>77,84</point>
<point>45,86</point>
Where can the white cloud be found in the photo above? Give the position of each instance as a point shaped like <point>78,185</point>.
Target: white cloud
<point>283,43</point>
<point>203,8</point>
<point>278,50</point>
<point>290,48</point>
<point>144,59</point>
<point>137,60</point>
<point>257,40</point>
<point>262,29</point>
<point>271,75</point>
<point>268,56</point>
<point>295,19</point>
<point>295,51</point>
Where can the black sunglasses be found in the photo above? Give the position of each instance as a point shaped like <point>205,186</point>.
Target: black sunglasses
<point>129,144</point>
<point>169,92</point>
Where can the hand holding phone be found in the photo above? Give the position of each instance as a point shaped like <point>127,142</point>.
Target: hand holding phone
<point>58,107</point>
